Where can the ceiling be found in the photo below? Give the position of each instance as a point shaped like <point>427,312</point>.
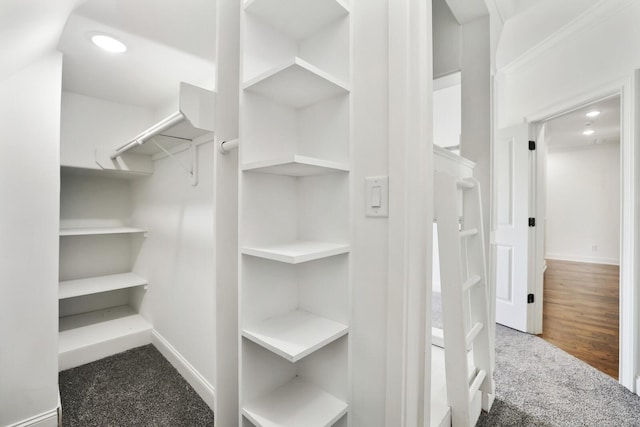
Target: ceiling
<point>168,42</point>
<point>566,131</point>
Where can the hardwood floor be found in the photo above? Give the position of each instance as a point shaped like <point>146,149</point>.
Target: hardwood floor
<point>581,309</point>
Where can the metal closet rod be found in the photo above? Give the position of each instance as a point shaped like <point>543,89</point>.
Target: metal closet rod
<point>226,146</point>
<point>150,133</point>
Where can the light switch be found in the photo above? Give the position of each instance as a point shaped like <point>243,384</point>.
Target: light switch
<point>377,196</point>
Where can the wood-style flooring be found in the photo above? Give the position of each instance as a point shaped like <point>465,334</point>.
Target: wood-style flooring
<point>581,312</point>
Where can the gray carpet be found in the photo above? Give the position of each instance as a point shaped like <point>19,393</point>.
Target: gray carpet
<point>135,388</point>
<point>537,384</point>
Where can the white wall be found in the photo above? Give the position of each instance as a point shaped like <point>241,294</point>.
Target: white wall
<point>447,116</point>
<point>447,40</point>
<point>583,204</point>
<point>88,123</point>
<point>591,51</point>
<point>29,190</point>
<point>177,257</point>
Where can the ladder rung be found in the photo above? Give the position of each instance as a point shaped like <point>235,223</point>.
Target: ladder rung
<point>469,232</point>
<point>437,337</point>
<point>470,283</point>
<point>464,184</point>
<point>473,333</point>
<point>477,382</point>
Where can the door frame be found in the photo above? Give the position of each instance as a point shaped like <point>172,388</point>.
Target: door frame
<point>629,91</point>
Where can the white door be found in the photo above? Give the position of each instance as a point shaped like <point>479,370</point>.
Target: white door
<point>510,229</point>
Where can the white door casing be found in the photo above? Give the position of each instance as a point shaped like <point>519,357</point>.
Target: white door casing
<point>510,228</point>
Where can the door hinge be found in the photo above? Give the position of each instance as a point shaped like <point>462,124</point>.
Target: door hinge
<point>532,222</point>
<point>530,299</point>
<point>532,145</point>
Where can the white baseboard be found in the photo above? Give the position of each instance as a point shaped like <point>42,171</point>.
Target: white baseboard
<point>204,389</point>
<point>46,419</point>
<point>580,258</point>
<point>638,386</point>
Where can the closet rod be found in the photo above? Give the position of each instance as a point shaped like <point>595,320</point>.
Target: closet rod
<point>154,130</point>
<point>226,146</point>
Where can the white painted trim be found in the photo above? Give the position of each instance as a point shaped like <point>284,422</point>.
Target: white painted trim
<point>637,386</point>
<point>46,419</point>
<point>204,389</point>
<point>578,258</point>
<point>586,20</point>
<point>408,391</point>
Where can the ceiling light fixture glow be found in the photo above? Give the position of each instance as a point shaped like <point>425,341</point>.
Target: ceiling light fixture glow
<point>108,43</point>
<point>593,113</point>
<point>588,132</point>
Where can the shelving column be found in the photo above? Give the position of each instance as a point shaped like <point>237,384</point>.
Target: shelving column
<point>295,134</point>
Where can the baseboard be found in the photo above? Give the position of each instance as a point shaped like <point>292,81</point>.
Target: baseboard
<point>578,258</point>
<point>46,419</point>
<point>638,386</point>
<point>204,389</point>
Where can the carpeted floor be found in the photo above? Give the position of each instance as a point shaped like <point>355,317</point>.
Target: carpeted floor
<point>537,384</point>
<point>135,388</point>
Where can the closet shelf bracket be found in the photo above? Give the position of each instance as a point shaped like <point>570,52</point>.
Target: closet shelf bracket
<point>193,169</point>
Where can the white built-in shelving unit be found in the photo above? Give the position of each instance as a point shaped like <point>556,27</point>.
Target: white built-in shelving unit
<point>295,145</point>
<point>98,292</point>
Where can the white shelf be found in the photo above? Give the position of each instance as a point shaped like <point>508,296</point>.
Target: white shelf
<point>297,252</point>
<point>94,285</point>
<point>296,165</point>
<point>297,19</point>
<point>91,336</point>
<point>88,231</point>
<point>296,83</point>
<point>297,403</point>
<point>296,334</point>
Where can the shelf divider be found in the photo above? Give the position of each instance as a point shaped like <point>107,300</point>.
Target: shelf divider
<point>297,403</point>
<point>296,334</point>
<point>296,165</point>
<point>94,285</point>
<point>296,83</point>
<point>297,252</point>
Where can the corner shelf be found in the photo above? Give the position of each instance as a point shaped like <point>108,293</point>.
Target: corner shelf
<point>296,334</point>
<point>90,336</point>
<point>297,403</point>
<point>297,252</point>
<point>296,83</point>
<point>89,231</point>
<point>296,165</point>
<point>297,19</point>
<point>94,285</point>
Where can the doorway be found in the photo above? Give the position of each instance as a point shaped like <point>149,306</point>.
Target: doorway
<point>578,204</point>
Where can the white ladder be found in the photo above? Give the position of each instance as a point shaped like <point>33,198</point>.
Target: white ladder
<point>464,298</point>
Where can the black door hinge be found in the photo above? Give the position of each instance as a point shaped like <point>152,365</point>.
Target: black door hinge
<point>532,145</point>
<point>532,222</point>
<point>530,299</point>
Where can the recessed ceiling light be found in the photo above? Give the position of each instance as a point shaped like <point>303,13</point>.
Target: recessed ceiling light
<point>108,43</point>
<point>593,113</point>
<point>588,132</point>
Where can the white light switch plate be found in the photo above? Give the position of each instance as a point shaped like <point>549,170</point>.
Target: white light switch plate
<point>377,196</point>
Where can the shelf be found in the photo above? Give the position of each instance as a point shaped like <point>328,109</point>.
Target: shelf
<point>88,231</point>
<point>94,285</point>
<point>296,334</point>
<point>296,83</point>
<point>296,165</point>
<point>296,403</point>
<point>297,19</point>
<point>297,252</point>
<point>91,336</point>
